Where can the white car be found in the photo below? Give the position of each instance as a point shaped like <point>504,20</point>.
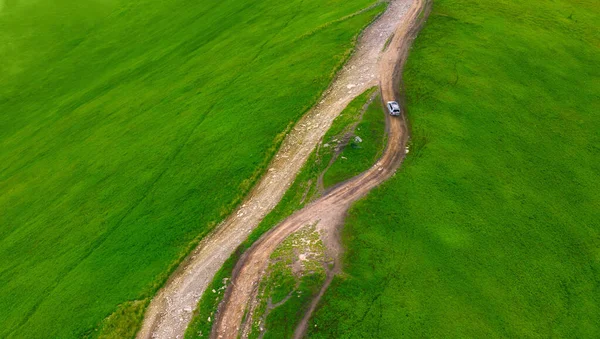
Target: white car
<point>393,107</point>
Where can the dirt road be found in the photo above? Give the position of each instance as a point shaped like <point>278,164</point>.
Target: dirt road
<point>171,309</point>
<point>328,211</point>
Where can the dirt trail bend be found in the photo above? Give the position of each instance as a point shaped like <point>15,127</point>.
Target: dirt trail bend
<point>330,209</point>
<point>171,309</point>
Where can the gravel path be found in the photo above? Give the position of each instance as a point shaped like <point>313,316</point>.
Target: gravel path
<point>172,308</point>
<point>328,211</point>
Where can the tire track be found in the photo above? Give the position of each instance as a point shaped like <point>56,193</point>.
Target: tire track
<point>329,210</point>
<point>172,308</point>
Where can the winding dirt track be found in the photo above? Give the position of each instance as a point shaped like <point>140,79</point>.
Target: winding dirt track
<point>329,210</point>
<point>171,310</point>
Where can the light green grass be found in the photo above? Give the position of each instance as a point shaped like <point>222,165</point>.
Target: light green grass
<point>358,156</point>
<point>491,229</point>
<point>129,129</point>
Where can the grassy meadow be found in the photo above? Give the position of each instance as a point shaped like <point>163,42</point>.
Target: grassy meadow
<point>491,229</point>
<point>129,129</point>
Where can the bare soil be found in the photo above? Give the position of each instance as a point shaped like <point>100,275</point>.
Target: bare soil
<point>171,310</point>
<point>329,210</point>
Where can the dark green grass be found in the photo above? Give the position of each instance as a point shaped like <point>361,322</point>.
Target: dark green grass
<point>349,116</point>
<point>128,129</point>
<point>492,228</point>
<point>359,156</point>
<point>283,320</point>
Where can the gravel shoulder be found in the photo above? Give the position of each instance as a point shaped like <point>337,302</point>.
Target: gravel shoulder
<point>171,310</point>
<point>405,17</point>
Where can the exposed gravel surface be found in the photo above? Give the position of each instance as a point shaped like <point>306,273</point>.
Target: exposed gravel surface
<point>329,210</point>
<point>171,309</point>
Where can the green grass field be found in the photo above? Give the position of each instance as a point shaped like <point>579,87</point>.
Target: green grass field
<point>492,227</point>
<point>129,129</point>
